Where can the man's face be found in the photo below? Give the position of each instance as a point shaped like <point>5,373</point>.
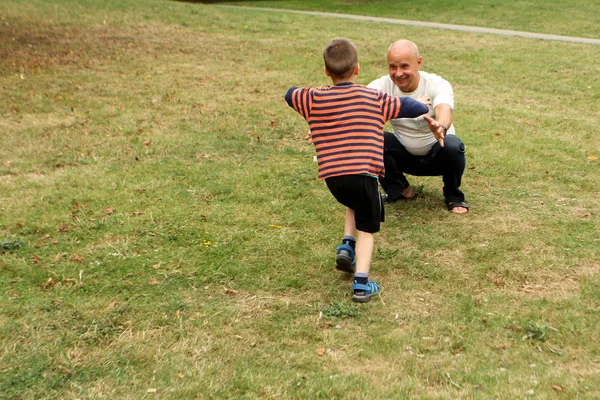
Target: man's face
<point>404,66</point>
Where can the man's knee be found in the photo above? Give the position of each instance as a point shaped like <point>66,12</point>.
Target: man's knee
<point>453,146</point>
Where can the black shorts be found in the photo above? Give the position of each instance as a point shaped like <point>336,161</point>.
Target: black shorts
<point>361,194</point>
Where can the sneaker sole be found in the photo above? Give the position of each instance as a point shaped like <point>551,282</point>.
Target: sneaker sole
<point>344,263</point>
<point>363,298</point>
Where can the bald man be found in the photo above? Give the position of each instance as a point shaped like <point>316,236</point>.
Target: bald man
<point>423,146</point>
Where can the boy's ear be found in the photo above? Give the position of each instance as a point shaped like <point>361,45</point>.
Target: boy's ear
<point>357,69</point>
<point>326,72</point>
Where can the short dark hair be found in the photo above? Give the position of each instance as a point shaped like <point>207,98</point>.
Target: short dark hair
<point>340,58</point>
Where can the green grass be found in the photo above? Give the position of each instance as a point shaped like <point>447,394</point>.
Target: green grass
<point>163,233</point>
<point>570,18</point>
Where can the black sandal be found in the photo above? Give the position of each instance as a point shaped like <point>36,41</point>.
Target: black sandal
<point>453,204</point>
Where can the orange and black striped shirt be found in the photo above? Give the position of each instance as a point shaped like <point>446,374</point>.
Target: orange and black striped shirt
<point>346,122</point>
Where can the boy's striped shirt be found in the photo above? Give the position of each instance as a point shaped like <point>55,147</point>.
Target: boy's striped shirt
<point>347,123</point>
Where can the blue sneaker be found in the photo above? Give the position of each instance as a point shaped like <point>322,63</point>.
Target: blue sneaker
<point>363,293</point>
<point>345,258</point>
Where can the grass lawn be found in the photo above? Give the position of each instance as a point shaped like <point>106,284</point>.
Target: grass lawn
<point>571,18</point>
<point>163,233</point>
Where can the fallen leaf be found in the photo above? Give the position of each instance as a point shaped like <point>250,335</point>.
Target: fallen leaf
<point>108,210</point>
<point>153,282</point>
<point>513,327</point>
<point>275,226</point>
<point>557,388</point>
<point>65,370</point>
<point>49,282</point>
<point>320,351</point>
<point>77,259</point>
<point>148,143</point>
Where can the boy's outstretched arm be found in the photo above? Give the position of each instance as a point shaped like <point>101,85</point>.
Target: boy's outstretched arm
<point>288,96</point>
<point>410,108</point>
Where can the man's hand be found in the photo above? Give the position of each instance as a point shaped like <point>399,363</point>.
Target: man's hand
<point>438,130</point>
<point>308,137</point>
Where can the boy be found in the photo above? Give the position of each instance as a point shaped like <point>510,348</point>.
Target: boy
<point>346,126</point>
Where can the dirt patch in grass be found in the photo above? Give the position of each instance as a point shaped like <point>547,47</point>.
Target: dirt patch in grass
<point>27,48</point>
<point>30,48</point>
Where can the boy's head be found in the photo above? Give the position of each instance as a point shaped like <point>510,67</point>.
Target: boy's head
<point>341,58</point>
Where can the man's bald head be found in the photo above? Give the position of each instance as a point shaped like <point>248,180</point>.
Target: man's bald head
<point>404,63</point>
<point>405,46</point>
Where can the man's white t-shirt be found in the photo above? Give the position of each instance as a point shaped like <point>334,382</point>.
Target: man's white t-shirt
<point>414,133</point>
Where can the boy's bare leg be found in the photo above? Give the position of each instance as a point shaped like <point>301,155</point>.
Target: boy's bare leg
<point>363,288</point>
<point>349,223</point>
<point>364,251</point>
<point>364,243</point>
<point>345,259</point>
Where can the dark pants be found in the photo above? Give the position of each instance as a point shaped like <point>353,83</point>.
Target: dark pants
<point>448,161</point>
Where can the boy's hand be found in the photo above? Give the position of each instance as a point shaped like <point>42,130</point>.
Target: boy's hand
<point>438,130</point>
<point>424,99</point>
<point>308,137</point>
